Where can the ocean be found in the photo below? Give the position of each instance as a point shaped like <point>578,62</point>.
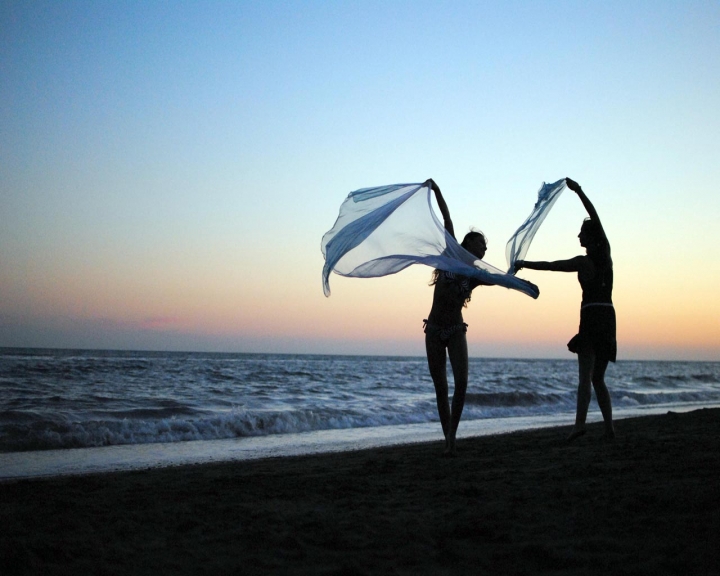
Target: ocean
<point>202,404</point>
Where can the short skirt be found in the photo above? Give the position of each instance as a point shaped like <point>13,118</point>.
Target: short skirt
<point>596,333</point>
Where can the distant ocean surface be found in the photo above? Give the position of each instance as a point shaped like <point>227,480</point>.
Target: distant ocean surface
<point>62,399</point>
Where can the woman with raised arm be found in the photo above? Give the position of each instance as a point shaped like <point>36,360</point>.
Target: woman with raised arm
<point>445,329</point>
<point>595,344</point>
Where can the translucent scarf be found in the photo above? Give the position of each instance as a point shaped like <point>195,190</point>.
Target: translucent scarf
<point>519,243</point>
<point>383,230</point>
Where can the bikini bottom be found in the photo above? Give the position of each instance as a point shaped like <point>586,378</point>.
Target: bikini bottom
<point>443,333</point>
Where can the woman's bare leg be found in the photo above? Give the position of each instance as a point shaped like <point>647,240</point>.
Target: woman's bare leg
<point>603,396</point>
<point>586,364</point>
<point>458,352</point>
<point>437,363</point>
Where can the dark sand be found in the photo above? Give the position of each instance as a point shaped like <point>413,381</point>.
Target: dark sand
<point>521,503</point>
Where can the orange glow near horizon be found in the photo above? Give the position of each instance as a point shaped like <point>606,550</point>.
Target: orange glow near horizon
<point>380,310</point>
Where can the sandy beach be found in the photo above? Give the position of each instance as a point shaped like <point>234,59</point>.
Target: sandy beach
<point>519,503</point>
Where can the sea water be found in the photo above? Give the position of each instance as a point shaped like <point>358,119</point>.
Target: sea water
<point>156,403</point>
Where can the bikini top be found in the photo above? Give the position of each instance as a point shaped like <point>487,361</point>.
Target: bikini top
<point>460,283</point>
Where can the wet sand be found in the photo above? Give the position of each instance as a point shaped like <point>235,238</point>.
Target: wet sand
<point>519,503</point>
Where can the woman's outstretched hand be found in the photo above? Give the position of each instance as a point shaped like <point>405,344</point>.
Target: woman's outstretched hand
<point>430,182</point>
<point>574,186</point>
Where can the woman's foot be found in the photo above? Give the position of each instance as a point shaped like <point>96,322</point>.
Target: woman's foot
<point>450,450</point>
<point>575,434</point>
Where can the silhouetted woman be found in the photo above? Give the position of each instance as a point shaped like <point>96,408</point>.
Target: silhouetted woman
<point>445,329</point>
<point>595,344</point>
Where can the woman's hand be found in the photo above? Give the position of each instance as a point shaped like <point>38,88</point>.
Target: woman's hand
<point>574,186</point>
<point>430,182</point>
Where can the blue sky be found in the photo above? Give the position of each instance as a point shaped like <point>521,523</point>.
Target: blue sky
<point>168,169</point>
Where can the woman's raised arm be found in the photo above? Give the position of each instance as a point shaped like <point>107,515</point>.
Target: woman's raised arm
<point>447,221</point>
<point>575,187</point>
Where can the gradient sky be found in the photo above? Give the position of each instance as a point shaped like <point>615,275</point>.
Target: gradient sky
<point>167,169</point>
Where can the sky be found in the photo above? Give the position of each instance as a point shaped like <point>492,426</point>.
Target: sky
<point>168,169</point>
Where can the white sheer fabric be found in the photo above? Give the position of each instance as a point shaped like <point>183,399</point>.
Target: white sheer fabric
<point>384,230</point>
<point>519,243</point>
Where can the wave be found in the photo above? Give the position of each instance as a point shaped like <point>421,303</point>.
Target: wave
<point>21,434</point>
<point>628,399</point>
<point>707,378</point>
<point>676,379</point>
<point>22,431</point>
<point>514,398</point>
<point>64,400</point>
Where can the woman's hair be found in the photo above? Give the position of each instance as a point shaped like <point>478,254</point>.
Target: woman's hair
<point>592,229</point>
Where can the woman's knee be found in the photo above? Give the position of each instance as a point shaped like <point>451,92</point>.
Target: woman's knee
<point>598,373</point>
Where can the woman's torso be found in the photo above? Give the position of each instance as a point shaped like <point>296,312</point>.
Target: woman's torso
<point>597,286</point>
<point>451,293</point>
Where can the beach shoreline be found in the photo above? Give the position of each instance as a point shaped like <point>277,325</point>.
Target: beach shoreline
<point>127,457</point>
<point>525,502</point>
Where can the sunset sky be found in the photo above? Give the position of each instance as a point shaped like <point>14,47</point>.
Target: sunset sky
<point>168,169</point>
